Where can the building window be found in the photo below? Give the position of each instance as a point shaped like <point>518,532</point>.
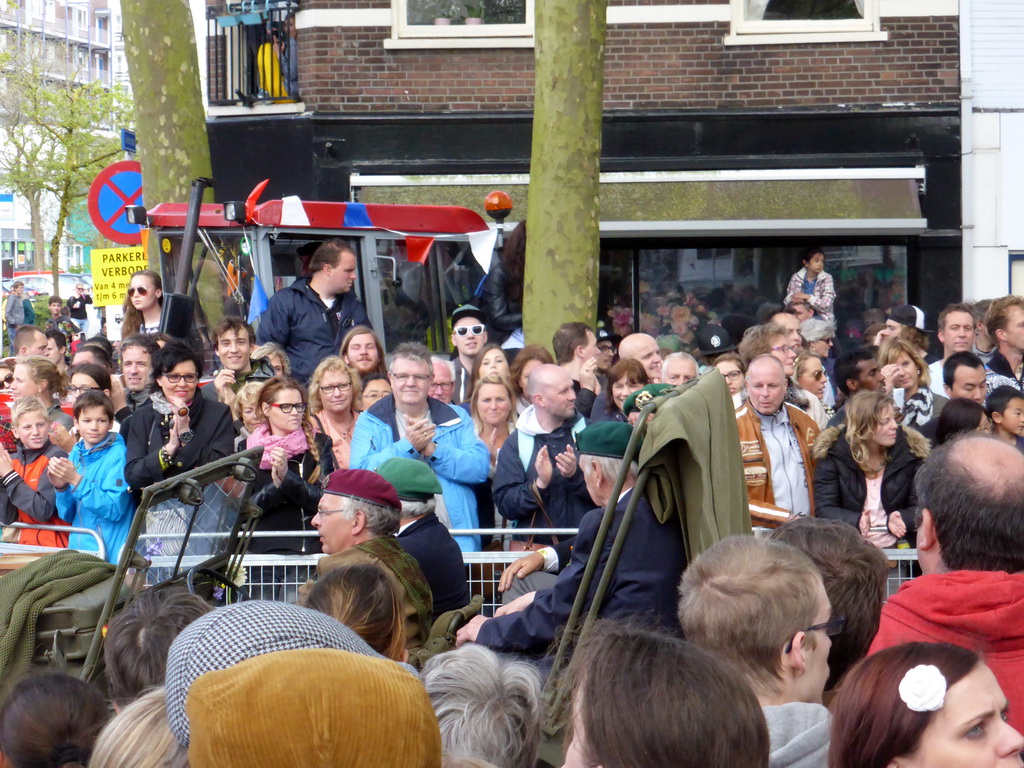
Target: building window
<point>462,19</point>
<point>787,19</point>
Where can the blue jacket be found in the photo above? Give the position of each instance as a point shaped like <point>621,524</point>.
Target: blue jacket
<point>645,584</point>
<point>460,459</point>
<point>102,500</point>
<point>297,319</point>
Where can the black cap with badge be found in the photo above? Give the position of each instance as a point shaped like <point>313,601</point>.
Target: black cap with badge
<point>714,340</point>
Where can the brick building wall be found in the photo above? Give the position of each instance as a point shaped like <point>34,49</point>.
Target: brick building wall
<point>647,66</point>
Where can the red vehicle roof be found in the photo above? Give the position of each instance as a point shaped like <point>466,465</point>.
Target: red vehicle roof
<point>441,219</point>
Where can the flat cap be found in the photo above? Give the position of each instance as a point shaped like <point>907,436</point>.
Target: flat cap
<point>413,480</point>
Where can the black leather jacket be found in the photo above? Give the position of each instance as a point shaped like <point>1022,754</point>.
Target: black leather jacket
<point>505,316</point>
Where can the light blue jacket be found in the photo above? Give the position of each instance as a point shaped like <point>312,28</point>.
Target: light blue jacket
<point>460,460</point>
<point>102,500</point>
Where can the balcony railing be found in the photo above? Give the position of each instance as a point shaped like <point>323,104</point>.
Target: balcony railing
<point>251,53</point>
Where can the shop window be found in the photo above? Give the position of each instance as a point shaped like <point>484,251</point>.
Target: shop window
<point>761,20</point>
<point>681,289</point>
<point>468,19</point>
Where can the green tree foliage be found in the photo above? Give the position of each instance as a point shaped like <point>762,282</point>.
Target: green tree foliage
<point>562,204</point>
<point>58,130</point>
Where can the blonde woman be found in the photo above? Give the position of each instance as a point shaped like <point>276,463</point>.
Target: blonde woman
<point>492,409</point>
<point>245,412</point>
<point>865,470</point>
<point>36,376</point>
<point>278,358</point>
<point>912,382</point>
<point>335,393</point>
<point>139,737</point>
<point>809,375</point>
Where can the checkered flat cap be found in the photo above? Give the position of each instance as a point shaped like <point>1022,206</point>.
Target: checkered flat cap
<point>229,635</point>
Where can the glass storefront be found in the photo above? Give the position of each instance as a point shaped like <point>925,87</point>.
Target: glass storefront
<point>676,289</point>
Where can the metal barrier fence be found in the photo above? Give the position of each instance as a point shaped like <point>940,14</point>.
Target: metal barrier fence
<point>278,577</point>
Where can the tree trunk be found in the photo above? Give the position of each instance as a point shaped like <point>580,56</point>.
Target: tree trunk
<point>58,234</point>
<point>163,65</point>
<point>562,218</point>
<point>35,213</point>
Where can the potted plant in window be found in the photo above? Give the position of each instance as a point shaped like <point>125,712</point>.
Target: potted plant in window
<point>475,14</point>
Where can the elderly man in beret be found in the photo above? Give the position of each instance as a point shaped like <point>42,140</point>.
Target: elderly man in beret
<point>358,519</point>
<point>423,536</point>
<point>646,577</point>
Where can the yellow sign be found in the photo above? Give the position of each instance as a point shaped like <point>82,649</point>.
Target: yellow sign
<point>112,270</point>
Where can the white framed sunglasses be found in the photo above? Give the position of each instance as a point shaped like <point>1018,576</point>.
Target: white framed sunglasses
<point>469,330</point>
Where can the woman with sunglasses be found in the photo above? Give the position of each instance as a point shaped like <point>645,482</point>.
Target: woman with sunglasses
<point>809,375</point>
<point>334,402</point>
<point>143,304</point>
<point>35,376</point>
<point>865,471</point>
<point>287,486</point>
<point>177,429</point>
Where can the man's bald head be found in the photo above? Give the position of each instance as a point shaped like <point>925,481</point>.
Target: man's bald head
<point>550,389</point>
<point>643,348</point>
<point>971,495</point>
<point>545,376</point>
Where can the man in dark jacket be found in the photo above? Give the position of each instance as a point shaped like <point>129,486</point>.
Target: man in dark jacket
<point>1005,321</point>
<point>310,317</point>
<point>423,536</point>
<point>537,479</point>
<point>646,575</point>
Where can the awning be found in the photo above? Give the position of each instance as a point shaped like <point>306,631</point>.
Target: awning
<point>776,202</point>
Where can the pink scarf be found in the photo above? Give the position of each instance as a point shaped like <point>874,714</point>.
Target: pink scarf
<point>293,443</point>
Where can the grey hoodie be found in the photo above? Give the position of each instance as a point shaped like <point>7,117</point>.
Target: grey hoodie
<point>799,735</point>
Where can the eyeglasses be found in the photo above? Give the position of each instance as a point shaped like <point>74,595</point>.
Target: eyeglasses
<point>140,290</point>
<point>330,389</point>
<point>289,407</point>
<point>188,378</point>
<point>469,330</point>
<point>832,627</point>
<point>786,348</point>
<point>82,390</point>
<point>442,385</point>
<point>733,375</point>
<point>419,378</point>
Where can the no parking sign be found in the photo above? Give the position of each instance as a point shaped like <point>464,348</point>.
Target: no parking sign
<point>114,187</point>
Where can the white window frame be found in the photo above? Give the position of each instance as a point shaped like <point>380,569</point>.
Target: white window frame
<point>458,35</point>
<point>747,32</point>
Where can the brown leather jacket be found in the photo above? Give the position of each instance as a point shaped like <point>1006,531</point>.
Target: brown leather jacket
<point>757,470</point>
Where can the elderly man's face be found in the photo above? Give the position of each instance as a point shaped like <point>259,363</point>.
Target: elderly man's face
<point>410,381</point>
<point>442,386</point>
<point>337,531</point>
<point>679,370</point>
<point>766,386</point>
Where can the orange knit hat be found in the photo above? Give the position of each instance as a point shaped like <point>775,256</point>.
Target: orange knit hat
<point>312,708</point>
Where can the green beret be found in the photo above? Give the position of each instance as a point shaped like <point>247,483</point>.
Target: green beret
<point>606,438</point>
<point>642,397</point>
<point>413,479</point>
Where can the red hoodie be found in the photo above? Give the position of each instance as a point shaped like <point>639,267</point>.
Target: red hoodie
<point>979,610</point>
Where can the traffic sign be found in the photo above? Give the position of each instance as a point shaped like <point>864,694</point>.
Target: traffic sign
<point>114,187</point>
<point>127,140</point>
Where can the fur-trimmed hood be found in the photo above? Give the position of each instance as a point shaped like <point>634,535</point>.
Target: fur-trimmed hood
<point>907,439</point>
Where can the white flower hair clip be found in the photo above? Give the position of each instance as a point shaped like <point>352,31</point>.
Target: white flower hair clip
<point>923,688</point>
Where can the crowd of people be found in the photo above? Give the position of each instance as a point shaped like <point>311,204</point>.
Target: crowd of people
<point>392,464</point>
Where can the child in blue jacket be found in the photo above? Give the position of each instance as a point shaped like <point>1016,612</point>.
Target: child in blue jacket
<point>91,489</point>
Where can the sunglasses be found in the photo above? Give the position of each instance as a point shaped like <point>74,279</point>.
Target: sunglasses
<point>289,407</point>
<point>140,290</point>
<point>8,378</point>
<point>817,375</point>
<point>469,330</point>
<point>831,628</point>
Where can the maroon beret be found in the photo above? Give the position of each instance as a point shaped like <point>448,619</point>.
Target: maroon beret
<point>364,485</point>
